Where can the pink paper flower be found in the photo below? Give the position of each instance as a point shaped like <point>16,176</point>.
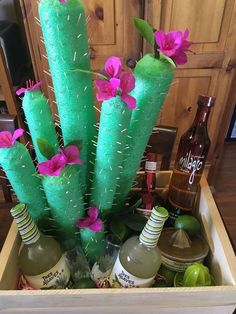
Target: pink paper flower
<point>52,167</point>
<point>113,67</point>
<point>29,87</point>
<point>127,84</point>
<point>107,89</point>
<point>63,1</point>
<point>173,44</point>
<point>92,221</point>
<point>118,83</point>
<point>71,155</point>
<point>7,139</point>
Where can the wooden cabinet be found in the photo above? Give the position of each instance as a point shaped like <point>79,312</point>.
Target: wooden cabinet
<point>210,70</point>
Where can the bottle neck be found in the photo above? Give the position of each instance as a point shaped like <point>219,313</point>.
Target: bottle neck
<point>202,116</point>
<point>27,228</point>
<point>149,182</point>
<point>152,230</point>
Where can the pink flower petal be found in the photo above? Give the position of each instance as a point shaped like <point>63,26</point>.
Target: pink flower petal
<point>106,89</point>
<point>173,44</point>
<point>83,223</point>
<point>93,213</point>
<point>129,100</point>
<point>29,86</point>
<point>113,67</point>
<point>5,139</point>
<point>52,167</point>
<point>72,155</point>
<point>96,226</point>
<point>127,82</point>
<point>17,133</point>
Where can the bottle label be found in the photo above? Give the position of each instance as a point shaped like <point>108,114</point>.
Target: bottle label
<point>56,277</point>
<point>192,164</point>
<point>151,166</point>
<point>128,280</point>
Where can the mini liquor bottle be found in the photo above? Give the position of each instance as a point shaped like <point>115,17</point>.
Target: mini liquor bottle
<point>40,259</point>
<point>148,195</point>
<point>139,258</point>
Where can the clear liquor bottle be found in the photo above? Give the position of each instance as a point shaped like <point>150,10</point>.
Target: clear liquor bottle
<point>139,258</point>
<point>189,164</point>
<point>40,258</point>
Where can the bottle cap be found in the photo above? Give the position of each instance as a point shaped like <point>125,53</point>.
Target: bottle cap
<point>27,228</point>
<point>207,101</point>
<point>152,230</point>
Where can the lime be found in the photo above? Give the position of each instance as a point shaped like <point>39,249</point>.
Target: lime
<point>189,224</point>
<point>84,283</point>
<point>196,275</point>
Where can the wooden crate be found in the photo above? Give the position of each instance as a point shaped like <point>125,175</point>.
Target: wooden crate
<point>219,299</point>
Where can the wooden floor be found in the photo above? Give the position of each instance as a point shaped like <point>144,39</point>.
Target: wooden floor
<point>225,190</point>
<point>225,196</point>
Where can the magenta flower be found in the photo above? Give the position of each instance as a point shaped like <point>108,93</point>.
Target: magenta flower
<point>71,155</point>
<point>118,83</point>
<point>29,87</point>
<point>173,44</point>
<point>63,1</point>
<point>52,167</point>
<point>107,89</point>
<point>92,221</point>
<point>7,139</point>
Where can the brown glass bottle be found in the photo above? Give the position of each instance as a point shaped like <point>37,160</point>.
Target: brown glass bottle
<point>189,164</point>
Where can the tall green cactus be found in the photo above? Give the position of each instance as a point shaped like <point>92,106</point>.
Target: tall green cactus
<point>20,170</point>
<point>152,81</point>
<point>65,36</point>
<point>114,123</point>
<point>39,119</point>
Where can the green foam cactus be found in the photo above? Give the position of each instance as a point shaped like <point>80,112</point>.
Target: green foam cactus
<point>20,170</point>
<point>65,200</point>
<point>114,123</point>
<point>39,119</point>
<point>65,36</point>
<point>152,81</point>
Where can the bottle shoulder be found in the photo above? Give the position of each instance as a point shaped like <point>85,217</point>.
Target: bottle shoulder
<point>40,256</point>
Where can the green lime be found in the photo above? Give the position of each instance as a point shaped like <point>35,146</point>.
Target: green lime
<point>197,275</point>
<point>84,283</point>
<point>189,224</point>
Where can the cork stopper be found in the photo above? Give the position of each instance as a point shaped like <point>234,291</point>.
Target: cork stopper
<point>152,230</point>
<point>27,228</point>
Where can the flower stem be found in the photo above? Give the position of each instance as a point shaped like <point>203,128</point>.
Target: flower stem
<point>91,72</point>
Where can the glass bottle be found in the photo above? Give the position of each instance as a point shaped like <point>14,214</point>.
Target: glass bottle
<point>40,259</point>
<point>148,195</point>
<point>139,258</point>
<point>189,164</point>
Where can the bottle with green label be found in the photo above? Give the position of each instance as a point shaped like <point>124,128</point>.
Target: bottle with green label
<point>139,258</point>
<point>40,258</point>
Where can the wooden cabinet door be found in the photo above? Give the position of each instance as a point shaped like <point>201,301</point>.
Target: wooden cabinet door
<point>210,69</point>
<point>110,32</point>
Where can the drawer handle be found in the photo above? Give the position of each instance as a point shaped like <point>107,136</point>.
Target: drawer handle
<point>99,13</point>
<point>131,63</point>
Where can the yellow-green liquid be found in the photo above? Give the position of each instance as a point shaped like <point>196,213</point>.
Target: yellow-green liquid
<point>140,260</point>
<point>39,257</point>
